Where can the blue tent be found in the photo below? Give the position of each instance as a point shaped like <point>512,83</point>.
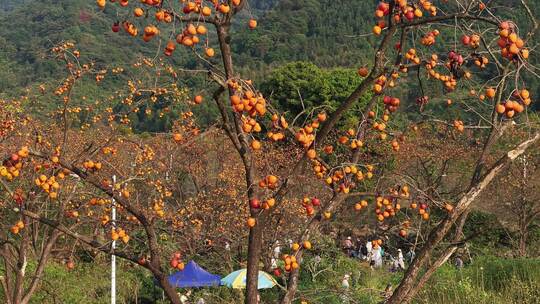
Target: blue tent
<point>194,276</point>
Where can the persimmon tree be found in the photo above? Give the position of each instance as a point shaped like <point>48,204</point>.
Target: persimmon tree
<point>25,241</point>
<point>22,240</point>
<point>483,56</point>
<point>183,184</point>
<point>58,171</point>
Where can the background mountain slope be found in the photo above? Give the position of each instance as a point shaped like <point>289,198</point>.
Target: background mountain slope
<point>328,33</point>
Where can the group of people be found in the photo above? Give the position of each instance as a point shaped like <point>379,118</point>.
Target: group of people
<point>365,250</point>
<point>184,298</point>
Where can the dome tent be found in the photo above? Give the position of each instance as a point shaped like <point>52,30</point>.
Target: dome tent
<point>194,275</point>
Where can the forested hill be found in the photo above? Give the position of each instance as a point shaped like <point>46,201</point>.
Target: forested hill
<point>31,27</point>
<point>8,5</point>
<point>322,31</point>
<point>337,33</point>
<point>328,33</point>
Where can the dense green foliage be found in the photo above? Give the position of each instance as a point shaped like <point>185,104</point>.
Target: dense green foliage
<point>89,284</point>
<point>302,86</point>
<point>8,5</point>
<point>325,32</point>
<point>30,30</point>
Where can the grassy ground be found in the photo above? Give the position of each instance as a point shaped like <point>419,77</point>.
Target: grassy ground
<point>486,280</point>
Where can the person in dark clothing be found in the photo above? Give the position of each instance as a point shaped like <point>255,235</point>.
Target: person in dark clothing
<point>357,247</point>
<point>364,251</point>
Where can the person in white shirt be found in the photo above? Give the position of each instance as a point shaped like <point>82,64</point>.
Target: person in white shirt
<point>400,260</point>
<point>277,250</point>
<point>377,257</point>
<point>345,281</point>
<point>184,298</point>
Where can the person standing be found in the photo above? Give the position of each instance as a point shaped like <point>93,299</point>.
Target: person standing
<point>410,255</point>
<point>277,250</point>
<point>357,248</point>
<point>458,262</point>
<point>364,252</point>
<point>345,298</point>
<point>395,264</point>
<point>377,256</point>
<point>345,282</point>
<point>400,260</point>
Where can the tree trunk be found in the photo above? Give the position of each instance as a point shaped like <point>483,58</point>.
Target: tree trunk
<point>430,271</point>
<point>241,144</point>
<point>170,291</point>
<point>405,291</point>
<point>523,235</point>
<point>22,262</point>
<point>292,287</point>
<point>5,289</point>
<point>254,254</point>
<point>44,258</point>
<point>443,257</point>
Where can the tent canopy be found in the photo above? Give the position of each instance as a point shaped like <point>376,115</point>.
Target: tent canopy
<point>194,276</point>
<point>237,279</point>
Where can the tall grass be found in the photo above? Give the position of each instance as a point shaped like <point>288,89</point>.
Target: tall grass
<point>486,280</point>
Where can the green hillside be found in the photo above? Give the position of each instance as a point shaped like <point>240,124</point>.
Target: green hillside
<point>8,5</point>
<point>31,27</point>
<point>323,31</point>
<point>327,33</point>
